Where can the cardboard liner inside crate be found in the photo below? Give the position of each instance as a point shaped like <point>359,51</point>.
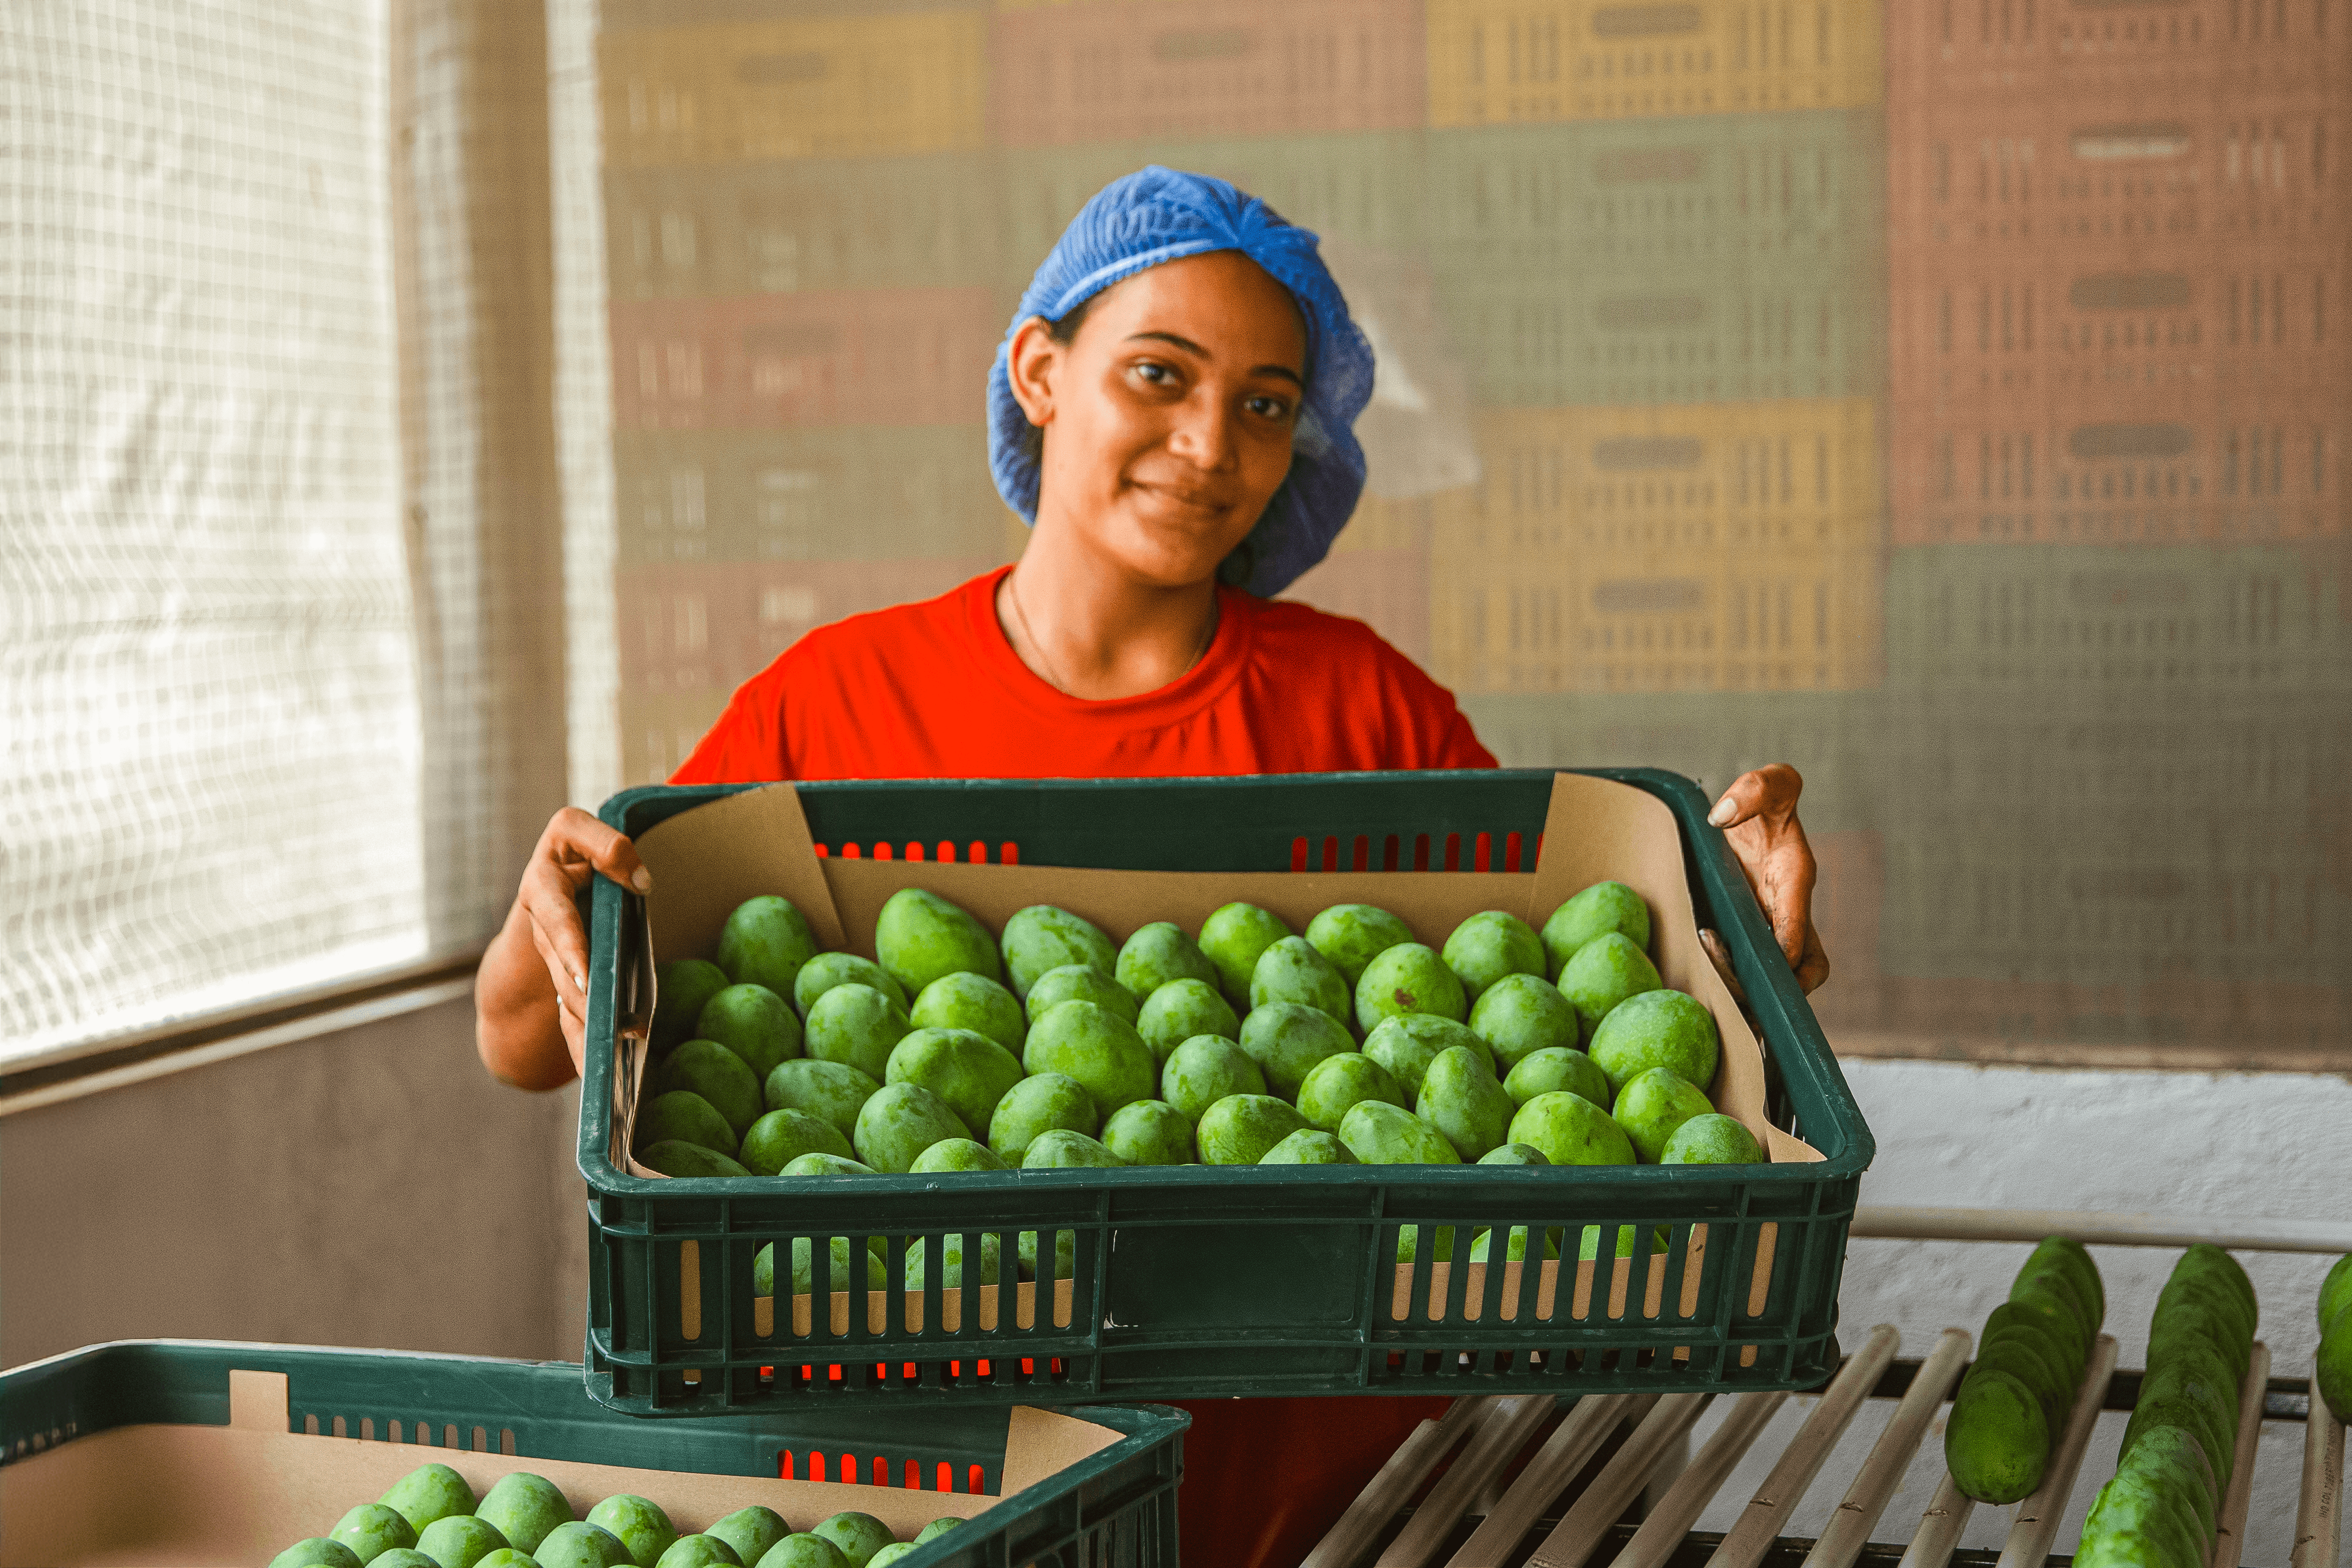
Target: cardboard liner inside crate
<point>196,1495</point>
<point>707,861</point>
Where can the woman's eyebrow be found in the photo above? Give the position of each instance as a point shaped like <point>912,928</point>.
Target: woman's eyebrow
<point>1187,344</point>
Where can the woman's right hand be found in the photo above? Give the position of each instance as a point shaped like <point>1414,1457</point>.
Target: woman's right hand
<point>541,954</point>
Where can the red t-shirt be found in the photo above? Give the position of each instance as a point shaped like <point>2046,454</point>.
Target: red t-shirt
<point>933,690</point>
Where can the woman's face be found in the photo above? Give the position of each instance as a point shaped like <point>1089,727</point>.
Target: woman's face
<point>1168,417</point>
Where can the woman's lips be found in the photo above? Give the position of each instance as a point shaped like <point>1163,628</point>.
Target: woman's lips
<point>1185,497</point>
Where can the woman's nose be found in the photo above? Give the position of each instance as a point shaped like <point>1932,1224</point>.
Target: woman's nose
<point>1204,435</point>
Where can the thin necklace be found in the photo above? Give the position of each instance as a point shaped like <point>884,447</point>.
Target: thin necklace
<point>1054,677</point>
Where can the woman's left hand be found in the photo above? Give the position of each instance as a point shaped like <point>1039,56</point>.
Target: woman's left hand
<point>1758,815</point>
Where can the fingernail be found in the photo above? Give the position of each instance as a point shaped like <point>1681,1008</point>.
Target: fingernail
<point>1721,813</point>
<point>580,980</point>
<point>643,881</point>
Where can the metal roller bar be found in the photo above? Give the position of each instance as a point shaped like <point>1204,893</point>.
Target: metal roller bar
<point>1578,1535</point>
<point>2230,1541</point>
<point>1385,1495</point>
<point>2319,1516</point>
<point>2093,1228</point>
<point>1940,1526</point>
<point>1563,1455</point>
<point>1499,1437</point>
<point>2036,1525</point>
<point>1782,1489</point>
<point>1881,1472</point>
<point>1662,1534</point>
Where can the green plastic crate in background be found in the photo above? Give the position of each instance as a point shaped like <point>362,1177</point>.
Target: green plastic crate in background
<point>1200,1281</point>
<point>1116,1508</point>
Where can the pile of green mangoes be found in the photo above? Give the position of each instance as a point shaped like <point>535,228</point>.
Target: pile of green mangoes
<point>2013,1404</point>
<point>429,1519</point>
<point>1048,1046</point>
<point>2163,1503</point>
<point>2332,1373</point>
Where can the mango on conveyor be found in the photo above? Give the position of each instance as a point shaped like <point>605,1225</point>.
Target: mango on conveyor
<point>1043,937</point>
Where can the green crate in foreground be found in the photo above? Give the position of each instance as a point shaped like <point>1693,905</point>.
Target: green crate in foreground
<point>1199,1282</point>
<point>198,1453</point>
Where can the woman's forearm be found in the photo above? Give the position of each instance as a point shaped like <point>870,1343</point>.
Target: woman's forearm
<point>518,1026</point>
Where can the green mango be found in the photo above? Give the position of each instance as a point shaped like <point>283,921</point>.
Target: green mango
<point>718,1076</point>
<point>2122,1548</point>
<point>1605,971</point>
<point>2334,1292</point>
<point>1569,1129</point>
<point>764,943</point>
<point>318,1551</point>
<point>953,1250</point>
<point>968,1070</point>
<point>1407,1247</point>
<point>1599,909</point>
<point>967,1001</point>
<point>1041,1104</point>
<point>1514,1245</point>
<point>2177,1460</point>
<point>700,1551</point>
<point>1557,1069</point>
<point>1997,1441</point>
<point>681,987</point>
<point>1352,936</point>
<point>856,1025</point>
<point>750,1533</point>
<point>1310,1146</point>
<point>1157,956</point>
<point>781,1137</point>
<point>2331,1377</point>
<point>860,1536</point>
<point>1658,1030</point>
<point>1408,978</point>
<point>803,1551</point>
<point>1232,939</point>
<point>753,1022</point>
<point>1713,1139</point>
<point>1203,1070</point>
<point>683,1116</point>
<point>1101,1050</point>
<point>674,1157</point>
<point>827,1165</point>
<point>891,1554</point>
<point>524,1508</point>
<point>1382,1134</point>
<point>1240,1129</point>
<point>1337,1083</point>
<point>803,1280</point>
<point>1292,971</point>
<point>1489,945</point>
<point>952,1155</point>
<point>899,1123</point>
<point>1181,1010</point>
<point>1081,983</point>
<point>2071,1255</point>
<point>1042,937</point>
<point>409,1557</point>
<point>1588,1247</point>
<point>828,969</point>
<point>507,1557</point>
<point>582,1546</point>
<point>1288,1038</point>
<point>373,1528</point>
<point>637,1522</point>
<point>1461,1099</point>
<point>1514,1155</point>
<point>1406,1043</point>
<point>1148,1133</point>
<point>1520,1015</point>
<point>459,1540</point>
<point>1061,1148</point>
<point>919,936</point>
<point>1066,1255</point>
<point>2039,1313</point>
<point>832,1091</point>
<point>936,1528</point>
<point>1651,1105</point>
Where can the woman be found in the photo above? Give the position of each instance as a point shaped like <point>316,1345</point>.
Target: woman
<point>1173,410</point>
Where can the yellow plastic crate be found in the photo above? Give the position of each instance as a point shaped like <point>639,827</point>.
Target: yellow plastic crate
<point>1495,62</point>
<point>1695,547</point>
<point>814,87</point>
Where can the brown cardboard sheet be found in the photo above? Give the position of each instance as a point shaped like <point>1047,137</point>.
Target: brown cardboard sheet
<point>234,1496</point>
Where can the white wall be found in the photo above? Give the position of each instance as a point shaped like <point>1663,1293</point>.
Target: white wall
<point>2272,1145</point>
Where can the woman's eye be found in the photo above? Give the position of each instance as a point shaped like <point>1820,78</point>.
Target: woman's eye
<point>1151,371</point>
<point>1269,407</point>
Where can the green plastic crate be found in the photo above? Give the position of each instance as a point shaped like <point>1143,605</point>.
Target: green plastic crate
<point>1203,1281</point>
<point>1116,1508</point>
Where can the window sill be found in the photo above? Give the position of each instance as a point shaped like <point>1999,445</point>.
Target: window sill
<point>96,1066</point>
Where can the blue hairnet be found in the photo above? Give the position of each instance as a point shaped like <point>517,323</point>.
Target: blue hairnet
<point>1158,215</point>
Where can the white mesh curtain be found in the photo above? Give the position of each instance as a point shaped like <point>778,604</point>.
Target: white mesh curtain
<point>276,498</point>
